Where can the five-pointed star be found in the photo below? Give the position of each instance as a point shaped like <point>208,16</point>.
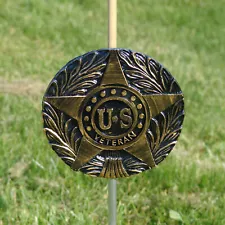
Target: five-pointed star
<point>113,75</point>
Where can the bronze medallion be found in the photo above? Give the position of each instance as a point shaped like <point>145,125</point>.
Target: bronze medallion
<point>113,113</point>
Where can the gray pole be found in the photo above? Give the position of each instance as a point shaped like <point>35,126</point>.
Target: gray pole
<point>112,201</point>
<point>112,26</point>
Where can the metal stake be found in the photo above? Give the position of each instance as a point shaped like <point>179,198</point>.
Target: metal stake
<point>112,32</point>
<point>112,201</point>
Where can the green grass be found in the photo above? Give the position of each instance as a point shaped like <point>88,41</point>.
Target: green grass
<point>38,38</point>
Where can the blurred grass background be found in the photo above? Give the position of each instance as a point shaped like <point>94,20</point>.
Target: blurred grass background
<point>38,37</point>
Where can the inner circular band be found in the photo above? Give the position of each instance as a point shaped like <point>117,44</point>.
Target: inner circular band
<point>131,104</point>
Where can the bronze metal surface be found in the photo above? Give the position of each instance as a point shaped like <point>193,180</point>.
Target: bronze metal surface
<point>113,113</point>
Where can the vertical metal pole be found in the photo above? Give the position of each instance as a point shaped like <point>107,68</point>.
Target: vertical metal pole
<point>112,201</point>
<point>112,26</point>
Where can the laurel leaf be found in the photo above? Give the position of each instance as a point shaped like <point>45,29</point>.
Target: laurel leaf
<point>82,86</point>
<point>140,60</point>
<point>134,166</point>
<point>63,149</point>
<point>94,166</point>
<point>134,74</point>
<point>75,66</point>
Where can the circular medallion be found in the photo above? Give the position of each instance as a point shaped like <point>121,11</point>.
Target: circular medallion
<point>113,113</point>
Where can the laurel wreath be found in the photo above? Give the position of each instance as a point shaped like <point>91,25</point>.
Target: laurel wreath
<point>83,74</point>
<point>62,132</point>
<point>80,75</point>
<point>164,131</point>
<point>146,75</point>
